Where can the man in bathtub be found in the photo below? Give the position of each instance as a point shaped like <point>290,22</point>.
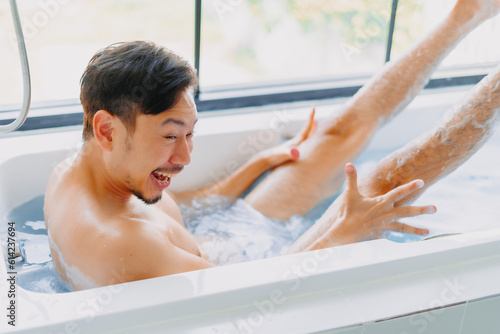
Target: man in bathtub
<point>110,218</point>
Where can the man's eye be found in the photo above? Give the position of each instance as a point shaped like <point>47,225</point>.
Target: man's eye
<point>170,137</point>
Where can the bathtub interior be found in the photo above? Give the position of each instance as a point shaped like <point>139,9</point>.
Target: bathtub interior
<point>27,160</point>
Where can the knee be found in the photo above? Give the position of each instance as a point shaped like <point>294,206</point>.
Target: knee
<point>349,125</point>
<point>338,125</point>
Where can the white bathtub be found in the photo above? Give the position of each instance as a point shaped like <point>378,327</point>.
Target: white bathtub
<point>447,285</point>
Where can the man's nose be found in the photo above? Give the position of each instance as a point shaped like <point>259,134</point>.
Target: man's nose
<point>182,154</point>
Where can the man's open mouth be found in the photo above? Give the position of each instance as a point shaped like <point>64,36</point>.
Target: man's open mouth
<point>162,178</point>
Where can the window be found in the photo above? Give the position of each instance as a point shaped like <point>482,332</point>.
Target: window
<point>251,51</point>
<point>477,53</point>
<point>61,36</point>
<point>259,41</point>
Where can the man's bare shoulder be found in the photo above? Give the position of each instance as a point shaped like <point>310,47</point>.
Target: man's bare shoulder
<point>117,249</point>
<point>111,243</point>
<point>124,249</point>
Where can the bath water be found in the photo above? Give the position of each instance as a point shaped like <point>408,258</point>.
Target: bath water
<point>467,200</point>
<point>35,268</point>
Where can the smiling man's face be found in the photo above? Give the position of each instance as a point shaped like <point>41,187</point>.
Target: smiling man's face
<point>159,147</point>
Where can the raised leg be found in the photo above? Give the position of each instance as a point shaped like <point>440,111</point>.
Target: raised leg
<point>441,150</point>
<point>296,187</point>
<point>462,132</point>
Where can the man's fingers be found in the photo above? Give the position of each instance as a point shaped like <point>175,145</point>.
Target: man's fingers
<point>351,177</point>
<point>404,228</point>
<point>309,128</point>
<point>412,211</point>
<point>404,190</point>
<point>312,124</point>
<point>283,155</point>
<point>313,128</point>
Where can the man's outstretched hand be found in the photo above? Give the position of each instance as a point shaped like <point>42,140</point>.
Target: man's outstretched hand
<point>354,217</point>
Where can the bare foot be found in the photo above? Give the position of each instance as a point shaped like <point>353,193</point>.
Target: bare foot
<point>476,11</point>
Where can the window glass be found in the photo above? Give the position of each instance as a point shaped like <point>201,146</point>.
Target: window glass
<point>248,42</point>
<point>417,18</point>
<point>258,41</point>
<point>61,37</point>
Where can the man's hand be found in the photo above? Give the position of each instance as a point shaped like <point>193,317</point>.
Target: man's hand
<point>288,151</point>
<point>355,217</point>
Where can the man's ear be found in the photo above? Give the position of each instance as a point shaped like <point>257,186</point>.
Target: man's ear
<point>103,129</point>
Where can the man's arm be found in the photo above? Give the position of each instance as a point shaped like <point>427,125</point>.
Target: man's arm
<point>353,217</point>
<point>235,184</point>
